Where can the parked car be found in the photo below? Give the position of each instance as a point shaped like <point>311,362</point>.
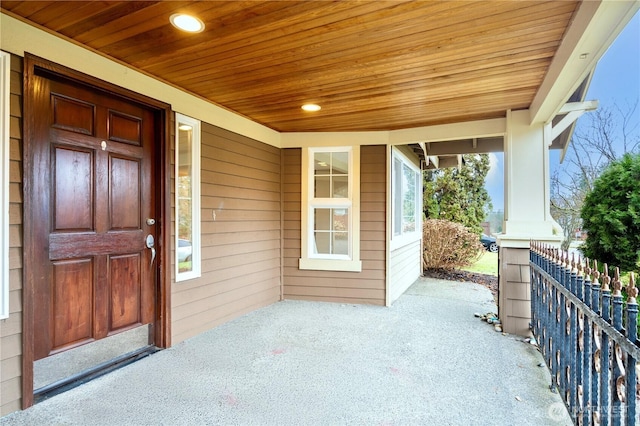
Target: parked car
<point>184,250</point>
<point>489,243</point>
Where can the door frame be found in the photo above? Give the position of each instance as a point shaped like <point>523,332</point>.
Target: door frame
<point>162,191</point>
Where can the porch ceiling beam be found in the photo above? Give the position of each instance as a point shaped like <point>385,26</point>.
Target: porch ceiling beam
<point>449,132</point>
<point>573,110</point>
<point>594,27</point>
<point>482,146</point>
<point>450,161</point>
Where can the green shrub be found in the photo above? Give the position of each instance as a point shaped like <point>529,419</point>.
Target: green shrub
<point>611,215</point>
<point>449,245</point>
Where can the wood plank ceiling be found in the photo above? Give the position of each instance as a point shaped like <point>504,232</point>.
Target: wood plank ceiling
<point>371,65</point>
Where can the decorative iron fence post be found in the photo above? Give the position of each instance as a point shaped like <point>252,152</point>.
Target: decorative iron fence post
<point>556,334</point>
<point>585,375</point>
<point>575,362</point>
<point>618,361</point>
<point>565,329</point>
<point>605,399</point>
<point>632,335</point>
<point>597,345</point>
<point>577,334</point>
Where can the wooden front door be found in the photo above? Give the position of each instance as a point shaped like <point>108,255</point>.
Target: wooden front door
<point>94,172</point>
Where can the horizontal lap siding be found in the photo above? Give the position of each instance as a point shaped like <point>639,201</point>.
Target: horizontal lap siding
<point>11,328</point>
<point>404,269</point>
<point>241,236</point>
<point>366,287</point>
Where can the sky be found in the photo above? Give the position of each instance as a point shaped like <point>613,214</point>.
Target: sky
<point>615,81</point>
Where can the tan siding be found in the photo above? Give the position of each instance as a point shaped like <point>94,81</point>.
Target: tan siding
<point>367,286</point>
<point>11,328</point>
<point>200,323</point>
<point>514,290</point>
<point>404,269</point>
<point>240,208</point>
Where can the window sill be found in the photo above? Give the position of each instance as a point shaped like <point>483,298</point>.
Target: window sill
<point>398,241</point>
<point>331,265</point>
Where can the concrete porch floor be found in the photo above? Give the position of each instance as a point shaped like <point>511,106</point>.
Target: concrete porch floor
<point>424,361</point>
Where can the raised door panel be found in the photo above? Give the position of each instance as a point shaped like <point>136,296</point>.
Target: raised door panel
<point>125,279</point>
<point>73,114</point>
<point>124,177</point>
<point>125,128</point>
<point>72,303</point>
<point>73,189</point>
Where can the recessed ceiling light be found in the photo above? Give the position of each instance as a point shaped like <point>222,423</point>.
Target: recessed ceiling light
<point>186,23</point>
<point>311,107</point>
<point>185,127</point>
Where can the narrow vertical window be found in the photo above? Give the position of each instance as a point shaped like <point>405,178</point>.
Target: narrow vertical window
<point>330,209</point>
<point>406,200</point>
<point>187,190</point>
<point>4,183</point>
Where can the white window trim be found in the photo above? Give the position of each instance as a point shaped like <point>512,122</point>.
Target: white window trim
<point>316,262</point>
<point>398,241</point>
<point>5,72</point>
<point>196,249</point>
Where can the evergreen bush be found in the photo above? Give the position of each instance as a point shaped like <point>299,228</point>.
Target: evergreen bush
<point>611,215</point>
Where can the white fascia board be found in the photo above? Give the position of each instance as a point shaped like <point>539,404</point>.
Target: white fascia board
<point>449,132</point>
<point>317,139</point>
<point>437,133</point>
<point>18,37</point>
<point>593,29</point>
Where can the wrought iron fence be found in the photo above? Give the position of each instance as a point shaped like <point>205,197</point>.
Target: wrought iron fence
<point>587,333</point>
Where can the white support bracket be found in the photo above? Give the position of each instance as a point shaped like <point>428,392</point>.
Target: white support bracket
<point>573,110</point>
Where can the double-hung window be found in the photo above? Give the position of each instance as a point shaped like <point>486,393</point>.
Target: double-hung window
<point>406,201</point>
<point>331,209</point>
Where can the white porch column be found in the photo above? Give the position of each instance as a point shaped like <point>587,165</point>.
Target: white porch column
<point>527,216</point>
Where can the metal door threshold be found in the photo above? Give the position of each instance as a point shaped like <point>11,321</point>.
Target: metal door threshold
<point>85,376</point>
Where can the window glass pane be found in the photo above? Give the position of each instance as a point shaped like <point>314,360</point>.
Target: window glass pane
<point>322,220</point>
<point>331,175</point>
<point>340,219</point>
<point>331,231</point>
<point>184,192</point>
<point>340,243</point>
<point>322,163</point>
<point>409,200</point>
<point>322,187</point>
<point>340,187</point>
<point>187,202</point>
<point>340,163</point>
<point>397,196</point>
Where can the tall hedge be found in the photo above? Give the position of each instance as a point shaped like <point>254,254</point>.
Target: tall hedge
<point>611,215</point>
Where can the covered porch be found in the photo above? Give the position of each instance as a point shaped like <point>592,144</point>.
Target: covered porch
<point>403,86</point>
<point>424,360</point>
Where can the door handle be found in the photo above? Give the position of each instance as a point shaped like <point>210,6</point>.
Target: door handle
<point>150,243</point>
